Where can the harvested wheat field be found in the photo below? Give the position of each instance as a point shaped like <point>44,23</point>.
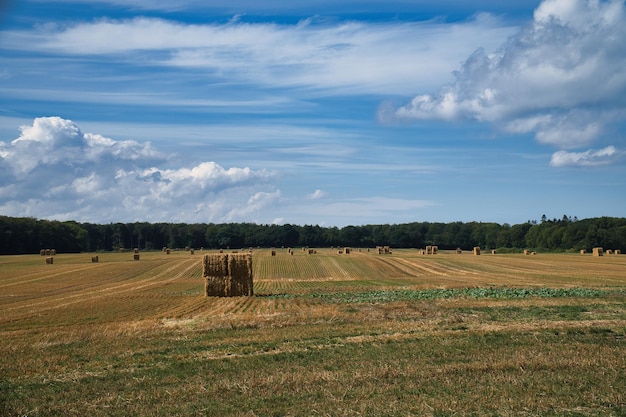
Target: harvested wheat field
<point>325,334</point>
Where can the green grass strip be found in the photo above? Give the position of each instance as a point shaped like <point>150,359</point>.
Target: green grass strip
<point>436,294</point>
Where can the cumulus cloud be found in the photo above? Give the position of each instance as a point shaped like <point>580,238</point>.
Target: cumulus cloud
<point>561,77</point>
<point>588,158</point>
<point>54,170</point>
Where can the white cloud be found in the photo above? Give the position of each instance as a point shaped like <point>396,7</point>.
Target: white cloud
<point>316,195</point>
<point>589,158</point>
<point>349,56</point>
<point>562,77</point>
<point>53,170</point>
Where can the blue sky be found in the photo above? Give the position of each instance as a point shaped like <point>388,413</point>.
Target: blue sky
<point>320,112</point>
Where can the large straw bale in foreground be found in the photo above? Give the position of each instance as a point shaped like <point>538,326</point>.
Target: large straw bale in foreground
<point>227,275</point>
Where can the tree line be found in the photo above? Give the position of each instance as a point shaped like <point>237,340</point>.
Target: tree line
<point>21,235</point>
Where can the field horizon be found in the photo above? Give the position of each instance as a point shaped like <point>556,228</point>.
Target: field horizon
<point>324,334</point>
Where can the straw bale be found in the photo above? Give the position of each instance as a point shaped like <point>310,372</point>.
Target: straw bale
<point>476,250</point>
<point>582,251</point>
<point>94,259</point>
<point>383,250</point>
<point>53,252</point>
<point>136,250</point>
<point>346,251</point>
<point>273,253</point>
<point>609,252</point>
<point>598,251</point>
<point>136,256</point>
<point>618,252</point>
<point>459,251</point>
<point>493,251</point>
<point>191,251</point>
<point>42,252</point>
<point>122,250</point>
<point>47,252</point>
<point>227,275</point>
<point>49,260</point>
<point>167,251</point>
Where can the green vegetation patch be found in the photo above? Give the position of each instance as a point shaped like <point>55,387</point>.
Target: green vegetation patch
<point>441,293</point>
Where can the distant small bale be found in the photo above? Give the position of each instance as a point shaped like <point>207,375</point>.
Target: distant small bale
<point>273,253</point>
<point>476,250</point>
<point>598,251</point>
<point>136,256</point>
<point>582,251</point>
<point>191,251</point>
<point>347,251</point>
<point>47,252</point>
<point>122,250</point>
<point>53,252</point>
<point>49,260</point>
<point>609,252</point>
<point>526,252</point>
<point>94,259</point>
<point>618,252</point>
<point>167,251</point>
<point>383,250</point>
<point>459,251</point>
<point>42,252</point>
<point>493,251</point>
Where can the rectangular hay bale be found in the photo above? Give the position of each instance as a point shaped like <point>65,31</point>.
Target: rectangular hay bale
<point>227,275</point>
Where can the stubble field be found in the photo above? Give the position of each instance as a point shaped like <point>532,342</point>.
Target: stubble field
<point>325,334</point>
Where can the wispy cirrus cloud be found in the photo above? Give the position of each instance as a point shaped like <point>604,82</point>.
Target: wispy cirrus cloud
<point>589,158</point>
<point>560,78</point>
<point>357,57</point>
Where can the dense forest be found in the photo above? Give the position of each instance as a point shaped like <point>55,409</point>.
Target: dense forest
<point>29,235</point>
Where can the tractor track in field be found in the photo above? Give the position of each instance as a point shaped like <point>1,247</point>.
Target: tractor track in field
<point>24,279</point>
<point>83,296</point>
